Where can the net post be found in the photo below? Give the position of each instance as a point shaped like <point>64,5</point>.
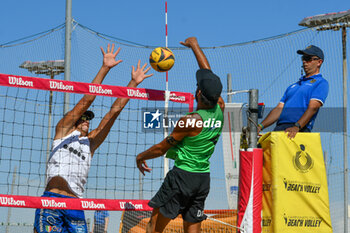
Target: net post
<point>48,140</point>
<point>229,88</point>
<point>253,117</point>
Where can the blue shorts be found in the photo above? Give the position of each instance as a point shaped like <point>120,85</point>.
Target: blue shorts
<point>58,220</point>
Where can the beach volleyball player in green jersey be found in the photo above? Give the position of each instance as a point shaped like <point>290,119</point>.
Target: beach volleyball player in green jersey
<point>191,145</point>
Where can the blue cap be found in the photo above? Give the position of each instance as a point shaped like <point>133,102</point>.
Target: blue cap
<point>312,50</point>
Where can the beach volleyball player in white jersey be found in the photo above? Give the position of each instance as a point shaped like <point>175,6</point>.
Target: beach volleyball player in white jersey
<point>73,148</point>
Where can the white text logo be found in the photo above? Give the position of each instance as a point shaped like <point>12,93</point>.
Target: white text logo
<point>178,98</point>
<point>20,82</point>
<point>60,86</point>
<point>137,93</point>
<point>11,201</point>
<point>53,203</point>
<point>100,90</point>
<point>92,205</point>
<point>130,206</point>
<point>209,123</point>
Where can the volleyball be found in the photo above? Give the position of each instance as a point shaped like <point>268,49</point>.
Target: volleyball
<point>162,59</point>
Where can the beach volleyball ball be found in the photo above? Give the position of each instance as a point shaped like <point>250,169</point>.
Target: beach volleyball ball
<point>162,59</point>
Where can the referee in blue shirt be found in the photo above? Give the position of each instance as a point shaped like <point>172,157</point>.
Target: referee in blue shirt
<point>298,108</point>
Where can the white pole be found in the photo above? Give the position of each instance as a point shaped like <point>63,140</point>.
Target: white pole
<point>167,93</point>
<point>49,127</point>
<point>67,51</point>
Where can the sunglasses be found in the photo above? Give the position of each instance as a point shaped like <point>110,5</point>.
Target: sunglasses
<point>309,58</point>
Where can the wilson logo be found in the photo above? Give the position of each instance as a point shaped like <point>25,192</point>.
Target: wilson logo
<point>53,203</point>
<point>137,93</point>
<point>92,205</point>
<point>11,201</point>
<point>100,90</point>
<point>130,206</point>
<point>60,86</point>
<point>177,98</point>
<point>20,82</point>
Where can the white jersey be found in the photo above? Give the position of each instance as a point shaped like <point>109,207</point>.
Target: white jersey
<point>70,159</point>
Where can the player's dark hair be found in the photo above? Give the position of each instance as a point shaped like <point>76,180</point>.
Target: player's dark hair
<point>207,102</point>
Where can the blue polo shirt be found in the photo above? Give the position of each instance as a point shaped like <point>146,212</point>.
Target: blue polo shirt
<point>298,95</point>
<point>100,216</point>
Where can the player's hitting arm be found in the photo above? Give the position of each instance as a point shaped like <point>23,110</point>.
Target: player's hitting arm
<point>202,60</point>
<point>67,122</point>
<point>180,131</point>
<point>98,135</point>
<point>198,52</point>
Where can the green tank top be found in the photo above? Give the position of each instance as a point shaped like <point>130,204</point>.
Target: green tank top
<point>193,153</point>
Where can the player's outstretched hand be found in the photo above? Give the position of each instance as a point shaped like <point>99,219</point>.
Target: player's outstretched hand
<point>189,42</point>
<point>142,165</point>
<point>109,60</point>
<point>140,73</point>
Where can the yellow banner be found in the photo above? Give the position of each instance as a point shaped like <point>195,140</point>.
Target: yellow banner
<point>299,184</point>
<point>266,224</point>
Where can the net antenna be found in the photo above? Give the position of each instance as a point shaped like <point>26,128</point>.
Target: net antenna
<point>167,93</point>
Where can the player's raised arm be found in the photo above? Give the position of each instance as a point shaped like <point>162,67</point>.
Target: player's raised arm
<point>202,60</point>
<point>67,123</point>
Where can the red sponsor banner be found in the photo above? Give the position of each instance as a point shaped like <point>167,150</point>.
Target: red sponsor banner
<point>73,203</point>
<point>93,89</point>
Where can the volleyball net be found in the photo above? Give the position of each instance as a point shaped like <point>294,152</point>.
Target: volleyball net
<point>27,134</point>
<point>30,109</point>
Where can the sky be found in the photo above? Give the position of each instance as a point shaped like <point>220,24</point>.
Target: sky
<point>214,23</point>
